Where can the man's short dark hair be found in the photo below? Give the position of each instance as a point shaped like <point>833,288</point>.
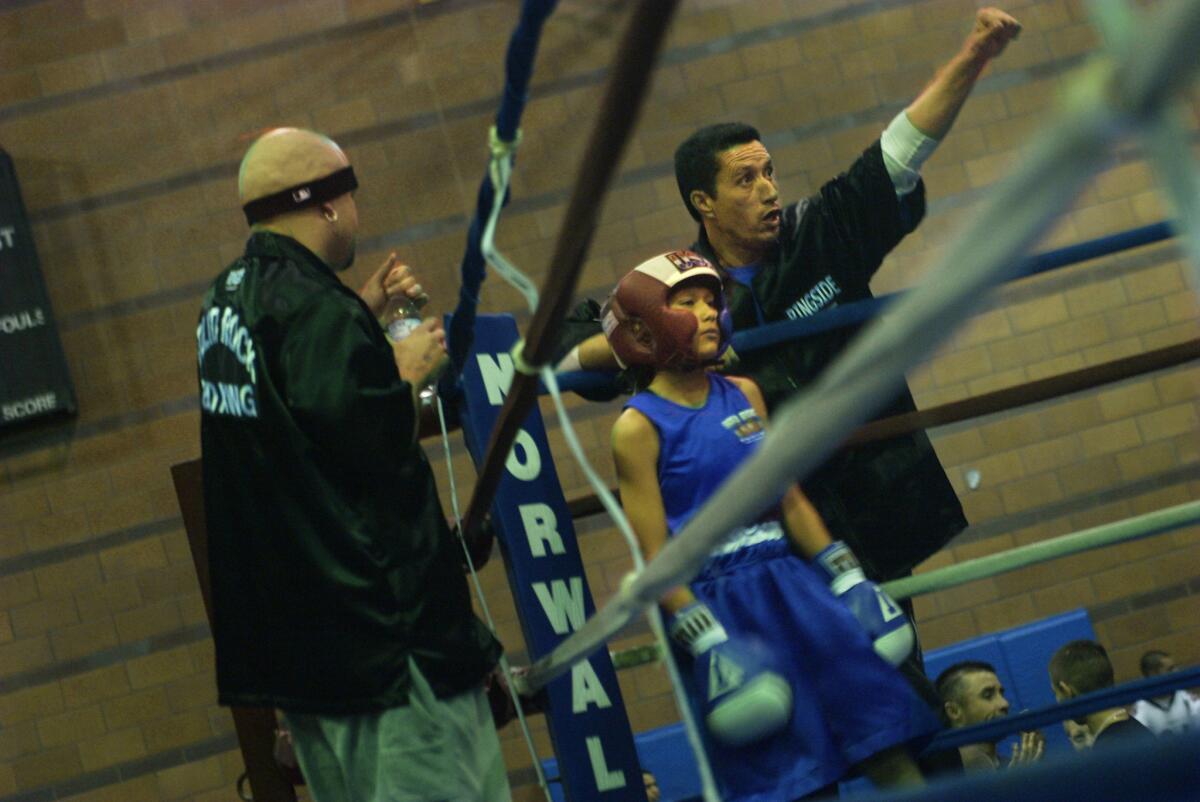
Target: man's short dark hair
<point>696,163</point>
<point>949,681</point>
<point>1082,664</point>
<point>1152,661</point>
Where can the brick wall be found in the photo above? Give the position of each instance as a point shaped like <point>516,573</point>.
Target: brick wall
<point>126,119</point>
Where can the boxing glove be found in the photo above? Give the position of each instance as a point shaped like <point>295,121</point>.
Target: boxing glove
<point>880,616</point>
<point>743,699</point>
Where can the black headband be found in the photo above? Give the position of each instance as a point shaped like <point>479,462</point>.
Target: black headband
<point>301,196</point>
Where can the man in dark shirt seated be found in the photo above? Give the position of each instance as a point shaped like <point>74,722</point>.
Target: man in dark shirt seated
<point>971,694</point>
<point>1080,667</point>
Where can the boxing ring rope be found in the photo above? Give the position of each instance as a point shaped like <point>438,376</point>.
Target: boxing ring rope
<point>1098,537</point>
<point>995,401</point>
<point>1027,720</point>
<point>1166,140</point>
<point>1109,99</point>
<point>861,311</point>
<point>1161,769</point>
<point>518,68</point>
<point>858,312</point>
<point>1029,393</point>
<point>623,97</point>
<point>1141,526</point>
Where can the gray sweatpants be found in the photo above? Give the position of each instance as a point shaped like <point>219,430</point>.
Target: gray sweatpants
<point>430,750</point>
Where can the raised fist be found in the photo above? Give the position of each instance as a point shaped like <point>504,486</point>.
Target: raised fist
<point>993,30</point>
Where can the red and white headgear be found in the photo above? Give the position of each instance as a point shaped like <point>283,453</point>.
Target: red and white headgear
<point>643,296</point>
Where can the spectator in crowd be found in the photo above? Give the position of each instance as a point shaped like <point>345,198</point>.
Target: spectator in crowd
<point>1172,714</point>
<point>1081,667</point>
<point>653,794</point>
<point>971,693</point>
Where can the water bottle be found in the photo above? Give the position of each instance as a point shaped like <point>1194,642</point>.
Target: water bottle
<point>401,315</point>
<point>400,318</point>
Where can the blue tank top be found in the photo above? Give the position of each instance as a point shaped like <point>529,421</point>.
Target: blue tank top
<point>699,447</point>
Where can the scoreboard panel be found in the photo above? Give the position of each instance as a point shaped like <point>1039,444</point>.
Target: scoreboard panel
<point>34,379</point>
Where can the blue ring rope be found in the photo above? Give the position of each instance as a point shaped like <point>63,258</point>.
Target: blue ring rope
<point>861,311</point>
<point>522,49</point>
<point>1027,720</point>
<point>1156,769</point>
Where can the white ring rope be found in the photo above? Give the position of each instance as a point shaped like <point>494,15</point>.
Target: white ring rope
<point>1109,98</point>
<point>500,170</point>
<point>1098,537</point>
<point>505,668</point>
<point>653,614</point>
<point>1166,141</point>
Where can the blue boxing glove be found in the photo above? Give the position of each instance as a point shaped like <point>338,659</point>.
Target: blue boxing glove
<point>880,616</point>
<point>743,699</point>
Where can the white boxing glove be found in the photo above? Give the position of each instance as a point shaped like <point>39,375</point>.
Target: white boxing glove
<point>744,699</point>
<point>883,619</point>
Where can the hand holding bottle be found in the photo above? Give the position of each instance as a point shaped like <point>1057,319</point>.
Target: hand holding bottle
<point>422,360</point>
<point>404,299</point>
<point>392,278</point>
<point>421,355</point>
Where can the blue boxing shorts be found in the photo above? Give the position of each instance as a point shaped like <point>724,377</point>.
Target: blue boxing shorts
<point>848,703</point>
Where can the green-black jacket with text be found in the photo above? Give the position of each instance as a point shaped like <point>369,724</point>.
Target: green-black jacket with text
<point>330,558</point>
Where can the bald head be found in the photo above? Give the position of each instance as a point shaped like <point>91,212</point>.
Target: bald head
<point>284,157</point>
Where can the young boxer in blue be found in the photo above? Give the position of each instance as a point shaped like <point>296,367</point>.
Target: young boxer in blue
<point>781,639</point>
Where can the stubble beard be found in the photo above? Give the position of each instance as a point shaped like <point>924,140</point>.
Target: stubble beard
<point>348,261</point>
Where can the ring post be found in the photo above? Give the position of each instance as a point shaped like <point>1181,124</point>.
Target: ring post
<point>588,725</point>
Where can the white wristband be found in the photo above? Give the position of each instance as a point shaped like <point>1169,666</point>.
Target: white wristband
<point>696,629</point>
<point>905,150</point>
<point>569,362</point>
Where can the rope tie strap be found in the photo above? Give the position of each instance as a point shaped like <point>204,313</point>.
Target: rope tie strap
<point>519,363</point>
<point>503,150</point>
<point>500,168</point>
<point>500,172</point>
